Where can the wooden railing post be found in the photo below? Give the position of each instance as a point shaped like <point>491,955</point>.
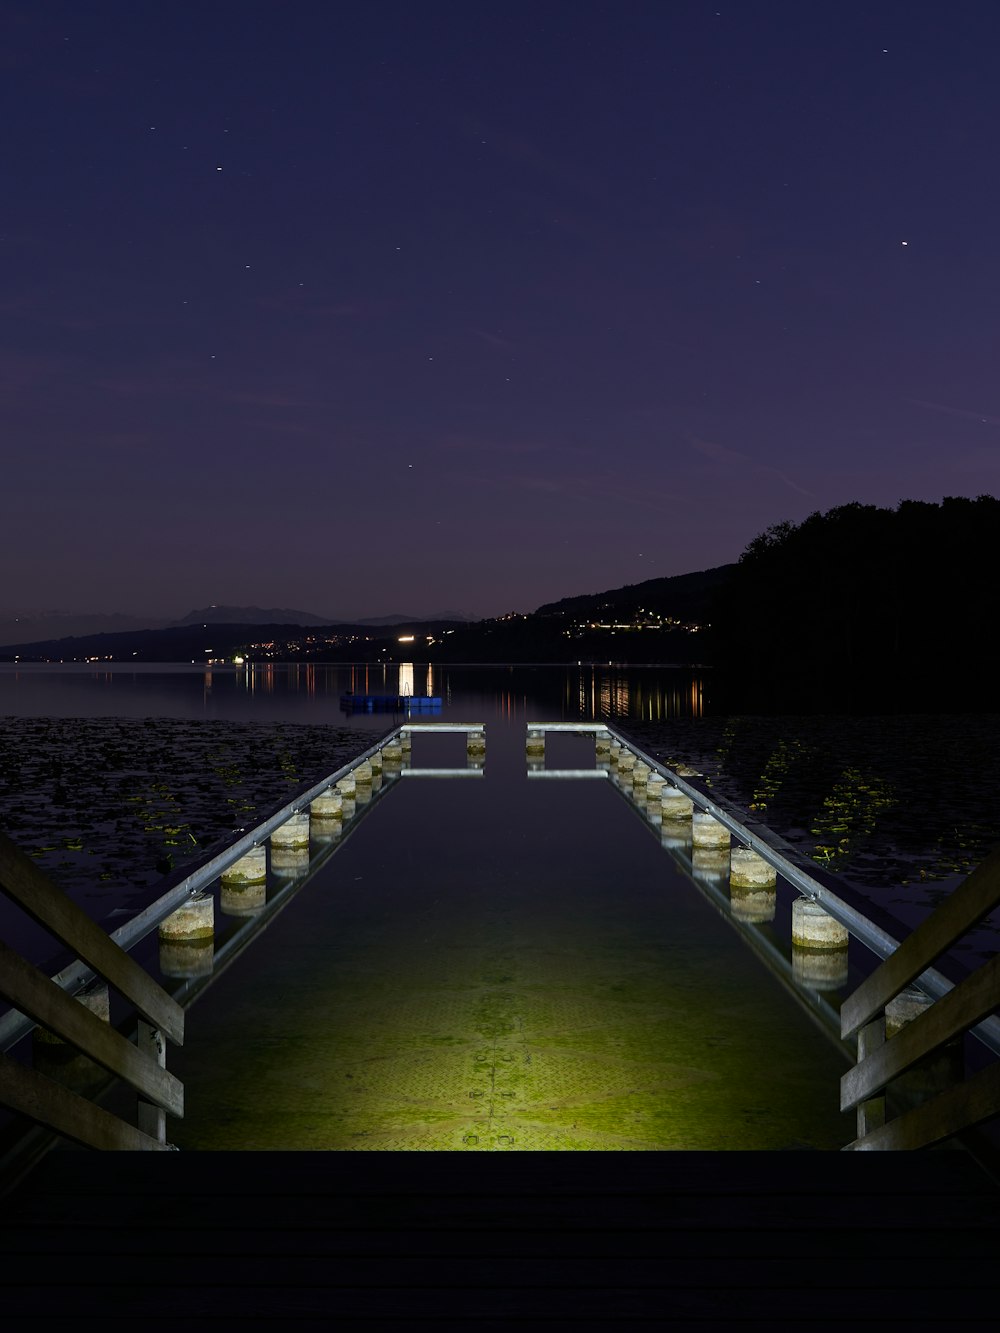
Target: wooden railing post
<point>152,1120</point>
<point>871,1113</point>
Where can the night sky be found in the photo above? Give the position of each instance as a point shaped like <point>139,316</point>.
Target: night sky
<point>370,307</point>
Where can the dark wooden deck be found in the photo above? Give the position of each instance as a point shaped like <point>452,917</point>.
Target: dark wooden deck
<point>582,1241</point>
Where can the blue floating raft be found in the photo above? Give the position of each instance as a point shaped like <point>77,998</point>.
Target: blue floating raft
<point>391,703</point>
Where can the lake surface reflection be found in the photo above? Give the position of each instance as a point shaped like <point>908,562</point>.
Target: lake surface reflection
<point>314,693</point>
<point>500,957</point>
<point>109,775</point>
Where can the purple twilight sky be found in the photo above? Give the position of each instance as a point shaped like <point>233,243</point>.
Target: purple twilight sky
<point>371,307</point>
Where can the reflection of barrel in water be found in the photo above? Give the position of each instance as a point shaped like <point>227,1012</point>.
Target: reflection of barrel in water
<point>819,947</point>
<point>187,938</point>
<point>753,884</point>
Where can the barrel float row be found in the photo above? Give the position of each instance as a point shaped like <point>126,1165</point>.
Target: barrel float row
<point>819,943</point>
<point>187,936</point>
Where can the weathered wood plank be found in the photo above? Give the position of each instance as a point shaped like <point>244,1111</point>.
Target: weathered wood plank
<point>966,1104</point>
<point>483,1216</point>
<point>36,995</point>
<point>960,1009</point>
<point>33,1095</point>
<point>731,1183</point>
<point>442,1301</point>
<point>200,1237</point>
<point>22,880</point>
<point>351,1266</point>
<point>972,900</point>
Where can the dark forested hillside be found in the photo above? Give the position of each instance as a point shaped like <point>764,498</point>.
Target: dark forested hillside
<point>866,609</point>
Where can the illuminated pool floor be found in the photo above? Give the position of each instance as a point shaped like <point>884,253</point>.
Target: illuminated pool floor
<point>502,964</point>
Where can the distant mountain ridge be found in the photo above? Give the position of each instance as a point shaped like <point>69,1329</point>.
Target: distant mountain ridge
<point>249,615</point>
<point>35,626</point>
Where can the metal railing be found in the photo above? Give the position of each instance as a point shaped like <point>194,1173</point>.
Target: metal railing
<point>78,1054</point>
<point>920,1067</point>
<point>50,1005</point>
<point>73,978</point>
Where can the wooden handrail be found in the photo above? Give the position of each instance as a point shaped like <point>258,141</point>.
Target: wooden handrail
<point>959,1010</point>
<point>35,994</point>
<point>22,881</point>
<point>964,1104</point>
<point>29,1092</point>
<point>41,1099</point>
<point>969,903</point>
<point>960,1107</point>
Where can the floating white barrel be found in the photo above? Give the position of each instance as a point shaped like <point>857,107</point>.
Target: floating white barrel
<point>675,807</point>
<point>193,920</point>
<point>294,832</point>
<point>815,928</point>
<point>752,887</point>
<point>187,938</point>
<point>933,1073</point>
<point>819,947</point>
<point>97,1000</point>
<point>749,870</point>
<point>706,831</point>
<point>328,805</point>
<point>61,1060</point>
<point>249,869</point>
<point>907,1005</point>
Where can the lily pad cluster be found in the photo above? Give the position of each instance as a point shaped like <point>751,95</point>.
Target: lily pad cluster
<point>903,806</point>
<point>109,805</point>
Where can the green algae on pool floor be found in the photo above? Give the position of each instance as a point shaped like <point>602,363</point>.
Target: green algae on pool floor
<point>568,988</point>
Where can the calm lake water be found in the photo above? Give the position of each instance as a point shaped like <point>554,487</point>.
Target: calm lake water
<point>112,777</point>
<point>527,943</point>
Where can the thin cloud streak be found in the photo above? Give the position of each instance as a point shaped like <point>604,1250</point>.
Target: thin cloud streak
<point>970,415</point>
<point>720,454</point>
